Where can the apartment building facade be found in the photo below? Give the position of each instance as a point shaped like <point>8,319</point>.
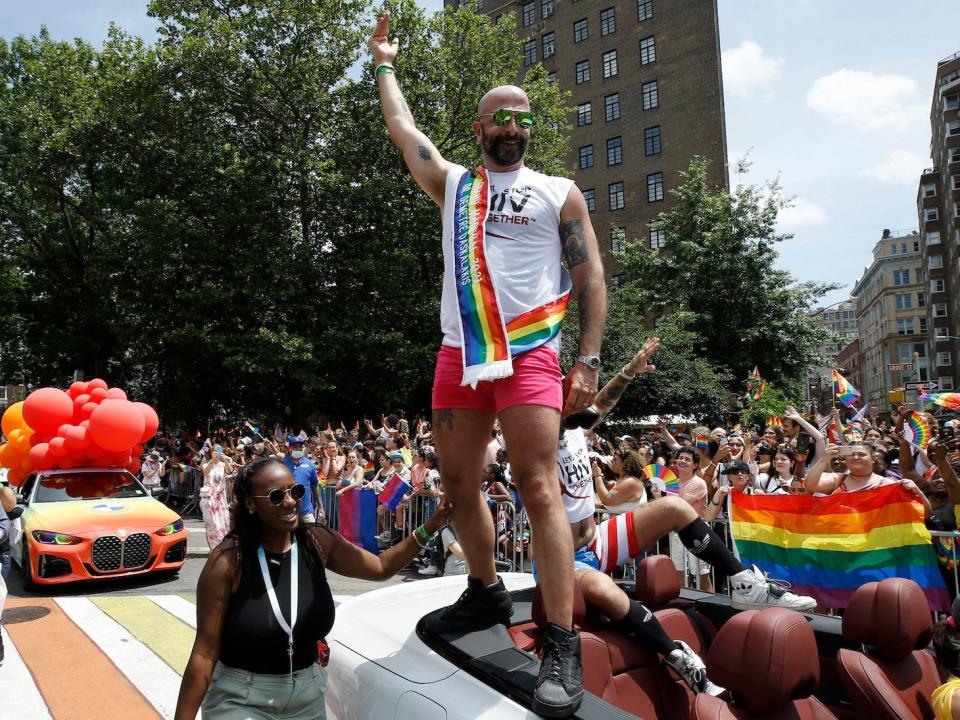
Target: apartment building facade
<point>892,317</point>
<point>938,206</point>
<point>647,97</point>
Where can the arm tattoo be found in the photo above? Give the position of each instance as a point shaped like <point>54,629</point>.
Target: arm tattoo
<point>574,245</point>
<point>611,394</point>
<point>443,418</point>
<point>424,153</point>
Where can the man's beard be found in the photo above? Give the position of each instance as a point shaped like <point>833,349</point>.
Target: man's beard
<point>501,152</point>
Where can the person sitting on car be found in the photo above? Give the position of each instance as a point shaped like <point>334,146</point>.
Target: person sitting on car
<point>258,654</point>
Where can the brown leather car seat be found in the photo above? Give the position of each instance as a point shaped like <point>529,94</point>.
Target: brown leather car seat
<point>895,675</point>
<point>768,661</point>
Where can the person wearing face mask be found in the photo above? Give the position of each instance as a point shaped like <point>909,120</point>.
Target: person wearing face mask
<point>305,473</point>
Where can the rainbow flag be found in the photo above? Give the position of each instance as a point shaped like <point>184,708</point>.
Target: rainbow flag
<point>538,326</point>
<point>774,421</point>
<point>393,493</point>
<point>407,456</point>
<point>827,547</point>
<point>845,392</point>
<point>369,470</point>
<point>949,400</point>
<point>358,518</point>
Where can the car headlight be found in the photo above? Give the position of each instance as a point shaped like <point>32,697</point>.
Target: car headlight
<point>52,538</point>
<point>174,527</point>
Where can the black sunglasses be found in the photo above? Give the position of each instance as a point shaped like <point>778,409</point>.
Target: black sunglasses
<point>275,496</point>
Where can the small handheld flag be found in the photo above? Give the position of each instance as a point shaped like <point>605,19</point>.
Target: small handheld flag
<point>845,392</point>
<point>393,493</point>
<point>670,481</point>
<point>774,421</point>
<point>949,400</point>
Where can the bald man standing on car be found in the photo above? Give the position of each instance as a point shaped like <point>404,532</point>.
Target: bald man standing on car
<point>506,230</point>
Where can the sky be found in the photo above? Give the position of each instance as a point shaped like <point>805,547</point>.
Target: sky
<point>833,99</point>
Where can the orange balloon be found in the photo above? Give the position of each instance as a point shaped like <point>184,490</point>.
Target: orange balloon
<point>12,418</point>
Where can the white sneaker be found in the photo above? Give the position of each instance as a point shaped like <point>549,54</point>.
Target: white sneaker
<point>688,665</point>
<point>753,590</point>
<point>428,570</point>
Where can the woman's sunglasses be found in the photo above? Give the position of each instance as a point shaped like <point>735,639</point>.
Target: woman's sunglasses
<point>275,496</point>
<point>502,116</point>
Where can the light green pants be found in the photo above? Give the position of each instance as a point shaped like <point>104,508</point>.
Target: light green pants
<point>240,695</point>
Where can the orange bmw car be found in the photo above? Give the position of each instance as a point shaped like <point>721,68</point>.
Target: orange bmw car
<point>92,524</point>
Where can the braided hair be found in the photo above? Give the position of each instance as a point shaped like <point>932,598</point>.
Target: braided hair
<point>246,528</point>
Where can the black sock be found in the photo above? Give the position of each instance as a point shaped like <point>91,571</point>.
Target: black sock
<point>703,542</point>
<point>644,623</point>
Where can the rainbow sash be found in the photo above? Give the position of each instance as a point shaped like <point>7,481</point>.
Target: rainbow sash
<point>490,343</point>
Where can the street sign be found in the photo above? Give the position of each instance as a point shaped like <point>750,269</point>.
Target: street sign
<point>899,367</point>
<point>920,386</point>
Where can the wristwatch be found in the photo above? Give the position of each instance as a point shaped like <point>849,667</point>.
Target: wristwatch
<point>591,361</point>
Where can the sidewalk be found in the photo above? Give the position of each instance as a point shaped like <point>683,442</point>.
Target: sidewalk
<point>197,538</point>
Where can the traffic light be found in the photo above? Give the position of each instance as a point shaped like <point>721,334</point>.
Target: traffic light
<point>896,396</point>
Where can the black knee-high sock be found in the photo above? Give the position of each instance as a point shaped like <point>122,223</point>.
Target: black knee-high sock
<point>644,623</point>
<point>703,542</point>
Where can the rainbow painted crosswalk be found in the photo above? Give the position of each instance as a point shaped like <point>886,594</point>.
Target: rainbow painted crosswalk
<point>107,657</point>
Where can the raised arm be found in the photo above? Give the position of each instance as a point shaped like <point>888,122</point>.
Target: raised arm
<point>812,431</point>
<point>817,480</point>
<point>420,154</point>
<point>586,270</point>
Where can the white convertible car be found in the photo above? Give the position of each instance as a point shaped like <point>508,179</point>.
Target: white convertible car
<point>384,666</point>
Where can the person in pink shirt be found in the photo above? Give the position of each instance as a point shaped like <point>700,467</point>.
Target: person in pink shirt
<point>693,489</point>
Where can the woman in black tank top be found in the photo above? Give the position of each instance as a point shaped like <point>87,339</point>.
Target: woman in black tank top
<point>260,666</point>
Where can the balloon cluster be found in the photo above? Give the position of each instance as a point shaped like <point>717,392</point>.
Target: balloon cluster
<point>89,425</point>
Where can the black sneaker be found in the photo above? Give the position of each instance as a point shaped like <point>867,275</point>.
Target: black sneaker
<point>478,608</point>
<point>559,688</point>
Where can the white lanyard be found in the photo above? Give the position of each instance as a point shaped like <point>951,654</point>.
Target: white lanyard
<point>294,595</point>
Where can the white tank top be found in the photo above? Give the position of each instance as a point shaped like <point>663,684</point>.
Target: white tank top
<point>522,247</point>
<point>576,478</point>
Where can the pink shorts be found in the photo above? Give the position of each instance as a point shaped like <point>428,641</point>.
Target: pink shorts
<point>536,380</point>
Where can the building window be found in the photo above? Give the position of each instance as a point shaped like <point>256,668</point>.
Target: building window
<point>590,195</point>
<point>580,30</point>
<point>905,327</point>
<point>651,141</point>
<point>552,77</point>
<point>608,22</point>
<point>611,107</point>
<point>953,128</point>
<point>546,9</point>
<point>956,182</point>
<point>921,300</point>
<point>657,239</point>
<point>931,214</point>
<point>923,325</point>
<point>901,277</point>
<point>618,240</point>
<point>610,63</point>
<point>894,249</point>
<point>939,309</point>
<point>655,187</point>
<point>529,53</point>
<point>933,237</point>
<point>943,359</point>
<point>935,262</point>
<point>614,151</point>
<point>903,301</point>
<point>648,51</point>
<point>616,196</point>
<point>941,333</point>
<point>650,95</point>
<point>946,382</point>
<point>529,13</point>
<point>644,10</point>
<point>951,102</point>
<point>937,286</point>
<point>583,72</point>
<point>955,154</point>
<point>929,190</point>
<point>586,157</point>
<point>584,114</point>
<point>549,44</point>
<point>916,246</point>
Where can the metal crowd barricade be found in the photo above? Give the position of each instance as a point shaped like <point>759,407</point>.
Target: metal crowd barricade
<point>331,508</point>
<point>183,490</point>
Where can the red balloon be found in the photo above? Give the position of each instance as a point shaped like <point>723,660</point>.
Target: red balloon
<point>98,394</point>
<point>64,429</point>
<point>116,425</point>
<point>116,394</point>
<point>87,410</point>
<point>70,461</point>
<point>47,409</point>
<point>96,383</point>
<point>134,466</point>
<point>40,457</point>
<point>58,447</point>
<point>15,476</point>
<point>78,438</point>
<point>76,389</point>
<point>150,420</point>
<point>78,402</point>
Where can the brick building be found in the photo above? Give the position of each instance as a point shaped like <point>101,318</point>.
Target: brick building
<point>647,96</point>
<point>938,205</point>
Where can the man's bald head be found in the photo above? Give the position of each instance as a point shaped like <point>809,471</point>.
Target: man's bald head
<point>504,96</point>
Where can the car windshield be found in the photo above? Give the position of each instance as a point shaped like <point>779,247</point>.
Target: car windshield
<point>88,486</point>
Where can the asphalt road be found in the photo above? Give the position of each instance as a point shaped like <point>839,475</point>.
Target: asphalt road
<point>185,581</point>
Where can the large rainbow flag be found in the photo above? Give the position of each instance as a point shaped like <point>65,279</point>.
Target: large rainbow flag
<point>358,518</point>
<point>827,547</point>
